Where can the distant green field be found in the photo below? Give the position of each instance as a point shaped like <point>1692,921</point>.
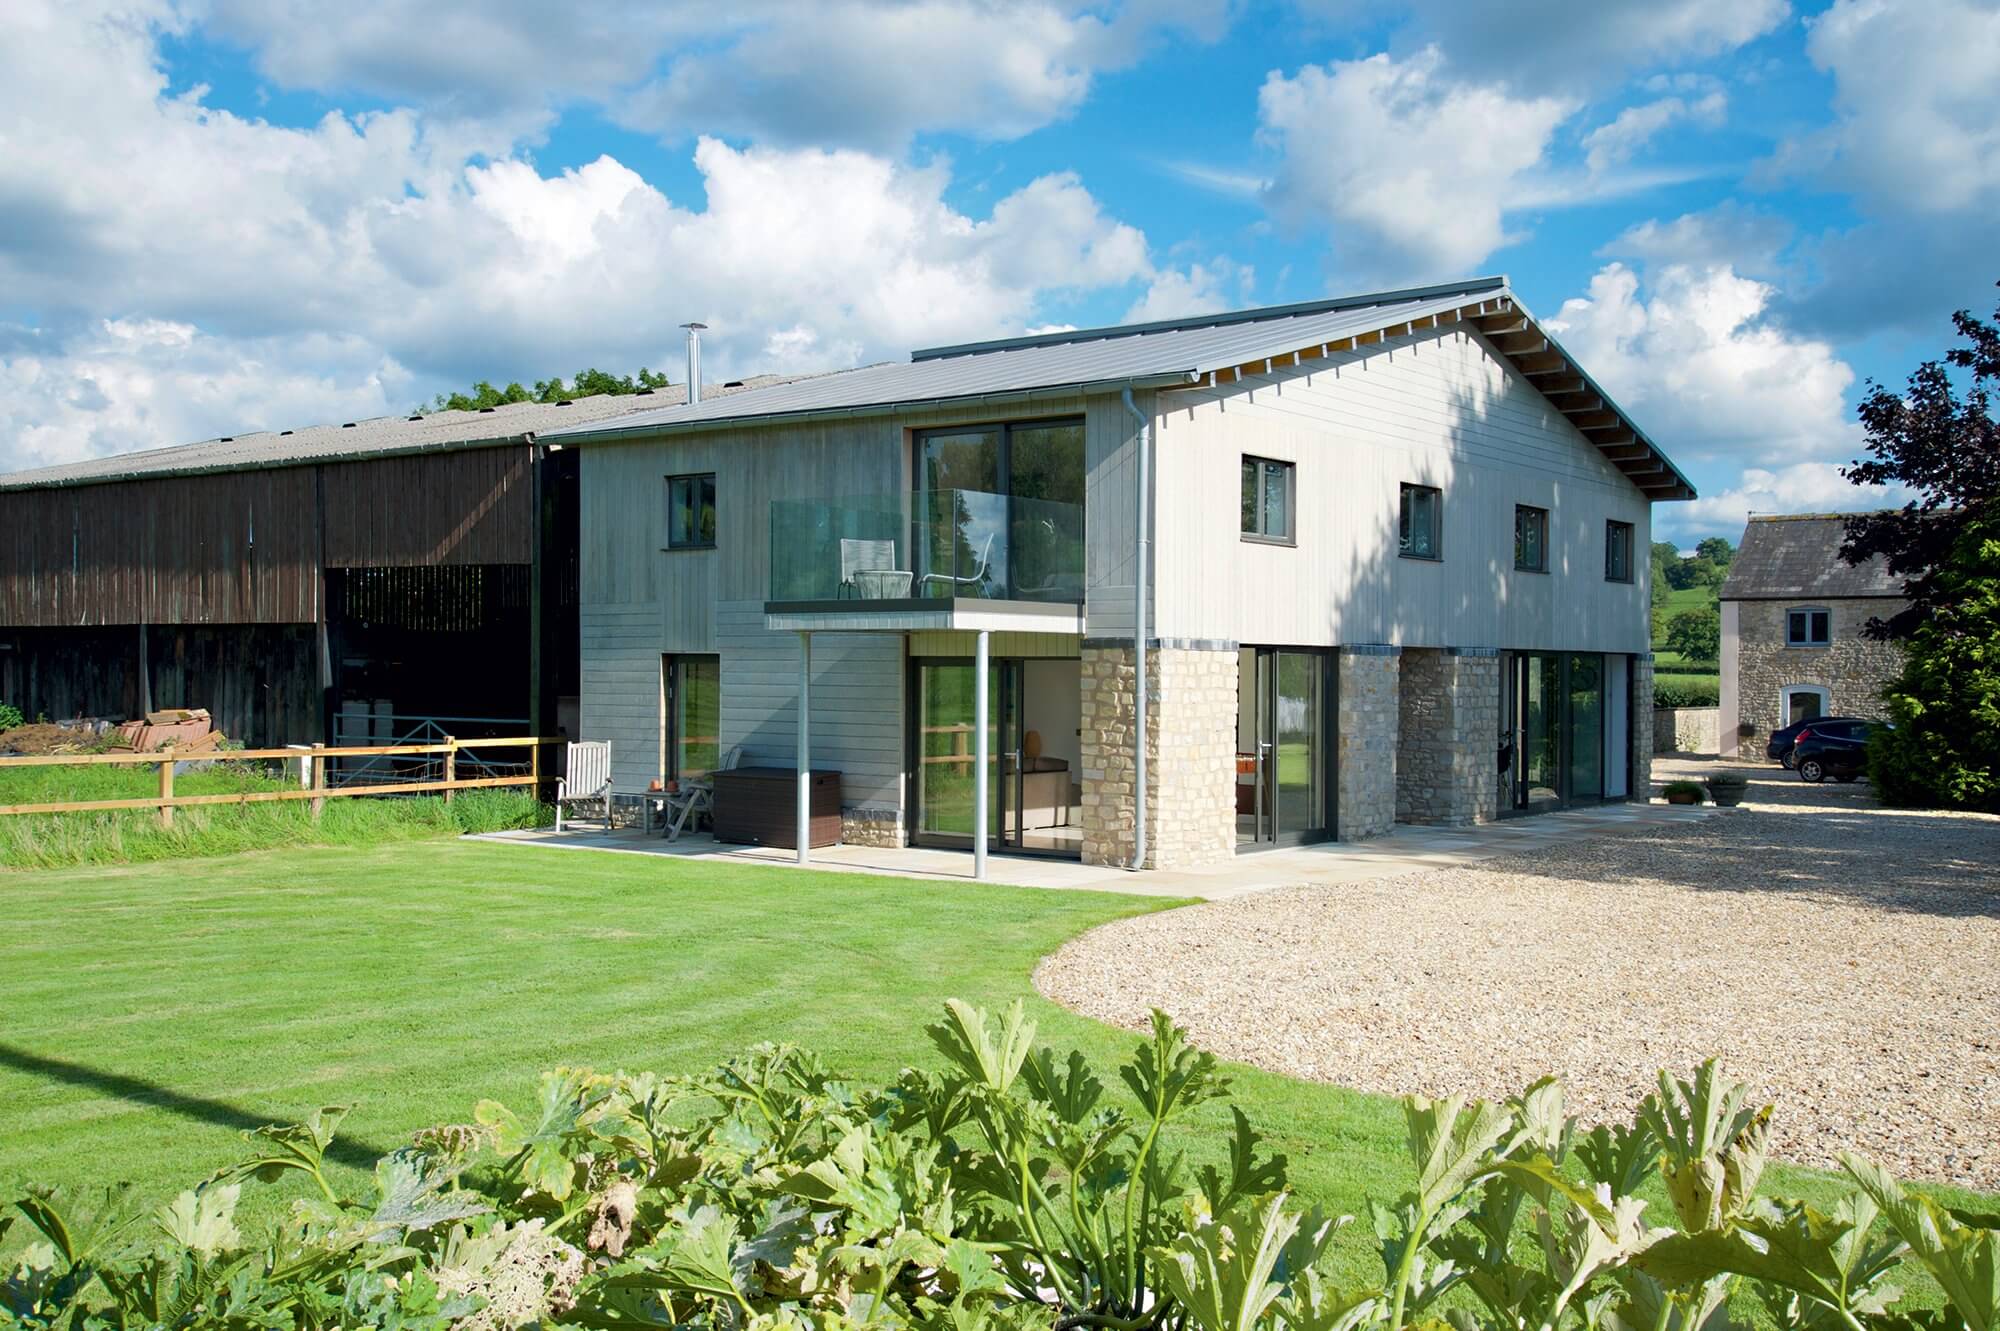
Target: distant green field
<point>1687,598</point>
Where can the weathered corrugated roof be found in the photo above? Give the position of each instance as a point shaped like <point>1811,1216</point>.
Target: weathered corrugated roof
<point>1797,557</point>
<point>374,437</point>
<point>1176,354</point>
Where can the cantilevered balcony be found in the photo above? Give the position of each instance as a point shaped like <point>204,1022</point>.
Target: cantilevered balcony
<point>928,559</point>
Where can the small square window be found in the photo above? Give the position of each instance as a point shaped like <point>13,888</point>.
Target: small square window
<point>1267,499</point>
<point>1618,552</point>
<point>1531,539</point>
<point>691,512</point>
<point>1808,627</point>
<point>1418,528</point>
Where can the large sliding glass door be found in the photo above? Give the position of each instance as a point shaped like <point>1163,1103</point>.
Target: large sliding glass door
<point>1282,747</point>
<point>1033,716</point>
<point>1560,743</point>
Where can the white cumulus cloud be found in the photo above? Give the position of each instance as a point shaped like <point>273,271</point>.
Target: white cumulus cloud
<point>1694,358</point>
<point>1409,168</point>
<point>1802,487</point>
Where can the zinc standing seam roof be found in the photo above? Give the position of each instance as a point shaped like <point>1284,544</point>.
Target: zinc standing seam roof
<point>1173,352</point>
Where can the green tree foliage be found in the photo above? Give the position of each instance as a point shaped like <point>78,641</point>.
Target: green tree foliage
<point>588,383</point>
<point>1010,1189</point>
<point>1945,705</point>
<point>1716,550</point>
<point>1696,635</point>
<point>1945,448</point>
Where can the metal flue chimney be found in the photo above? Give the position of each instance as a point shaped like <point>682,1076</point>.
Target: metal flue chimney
<point>694,332</point>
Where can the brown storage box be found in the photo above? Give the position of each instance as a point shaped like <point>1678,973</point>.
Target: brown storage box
<point>758,806</point>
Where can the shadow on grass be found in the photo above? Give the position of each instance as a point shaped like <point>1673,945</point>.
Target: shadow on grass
<point>152,1095</point>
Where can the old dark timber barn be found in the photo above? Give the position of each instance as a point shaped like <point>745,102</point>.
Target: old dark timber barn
<point>327,584</point>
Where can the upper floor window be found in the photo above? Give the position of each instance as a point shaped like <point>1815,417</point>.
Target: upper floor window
<point>1618,552</point>
<point>1808,626</point>
<point>1267,499</point>
<point>691,512</point>
<point>1419,527</point>
<point>1531,539</point>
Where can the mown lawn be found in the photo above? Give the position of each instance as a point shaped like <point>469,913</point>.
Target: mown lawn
<point>150,1013</point>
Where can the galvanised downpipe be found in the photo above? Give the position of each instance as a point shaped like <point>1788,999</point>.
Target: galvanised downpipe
<point>1141,567</point>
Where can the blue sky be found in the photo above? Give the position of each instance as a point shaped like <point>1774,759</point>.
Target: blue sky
<point>221,215</point>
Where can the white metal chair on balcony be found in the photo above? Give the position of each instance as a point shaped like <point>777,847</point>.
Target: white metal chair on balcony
<point>586,778</point>
<point>972,579</point>
<point>865,565</point>
<point>696,797</point>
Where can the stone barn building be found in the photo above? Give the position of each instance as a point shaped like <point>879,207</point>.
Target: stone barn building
<point>1793,645</point>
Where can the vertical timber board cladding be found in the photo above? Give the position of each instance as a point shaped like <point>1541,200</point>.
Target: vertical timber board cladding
<point>235,548</point>
<point>471,506</point>
<point>244,547</point>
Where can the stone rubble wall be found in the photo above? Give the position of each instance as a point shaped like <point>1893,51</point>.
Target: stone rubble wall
<point>881,828</point>
<point>1448,742</point>
<point>1366,741</point>
<point>1190,756</point>
<point>1692,730</point>
<point>1853,669</point>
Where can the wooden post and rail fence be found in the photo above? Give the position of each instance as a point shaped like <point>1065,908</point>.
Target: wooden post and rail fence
<point>314,787</point>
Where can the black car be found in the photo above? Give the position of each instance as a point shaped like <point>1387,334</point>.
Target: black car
<point>1779,750</point>
<point>1838,749</point>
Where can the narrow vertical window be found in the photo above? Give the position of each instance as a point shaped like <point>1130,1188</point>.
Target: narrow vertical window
<point>1618,552</point>
<point>1531,539</point>
<point>1418,534</point>
<point>1267,499</point>
<point>691,512</point>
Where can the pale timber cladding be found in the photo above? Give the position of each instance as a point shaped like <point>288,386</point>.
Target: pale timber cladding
<point>641,600</point>
<point>1434,407</point>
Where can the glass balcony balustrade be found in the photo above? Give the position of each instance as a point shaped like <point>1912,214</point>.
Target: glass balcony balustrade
<point>927,545</point>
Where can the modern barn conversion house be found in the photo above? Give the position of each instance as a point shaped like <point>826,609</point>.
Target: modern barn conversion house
<point>347,582</point>
<point>1378,559</point>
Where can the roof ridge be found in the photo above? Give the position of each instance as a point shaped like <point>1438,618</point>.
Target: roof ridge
<point>1253,314</point>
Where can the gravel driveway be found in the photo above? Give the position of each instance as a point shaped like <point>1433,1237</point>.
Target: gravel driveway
<point>1843,958</point>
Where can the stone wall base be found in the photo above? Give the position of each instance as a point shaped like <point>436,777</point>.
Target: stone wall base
<point>871,827</point>
<point>1191,756</point>
<point>1447,755</point>
<point>1366,741</point>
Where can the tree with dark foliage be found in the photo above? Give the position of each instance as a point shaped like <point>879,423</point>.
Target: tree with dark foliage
<point>1944,448</point>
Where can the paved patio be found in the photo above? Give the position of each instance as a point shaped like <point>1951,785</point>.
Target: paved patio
<point>1406,850</point>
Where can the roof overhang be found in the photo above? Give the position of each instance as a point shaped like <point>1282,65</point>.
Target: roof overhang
<point>1516,337</point>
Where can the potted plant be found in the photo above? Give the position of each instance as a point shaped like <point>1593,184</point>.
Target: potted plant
<point>1726,789</point>
<point>1683,792</point>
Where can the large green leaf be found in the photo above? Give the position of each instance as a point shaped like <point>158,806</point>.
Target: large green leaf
<point>990,1058</point>
<point>1451,1144</point>
<point>1964,1261</point>
<point>1222,1269</point>
<point>1825,1257</point>
<point>1712,1144</point>
<point>545,1150</point>
<point>202,1222</point>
